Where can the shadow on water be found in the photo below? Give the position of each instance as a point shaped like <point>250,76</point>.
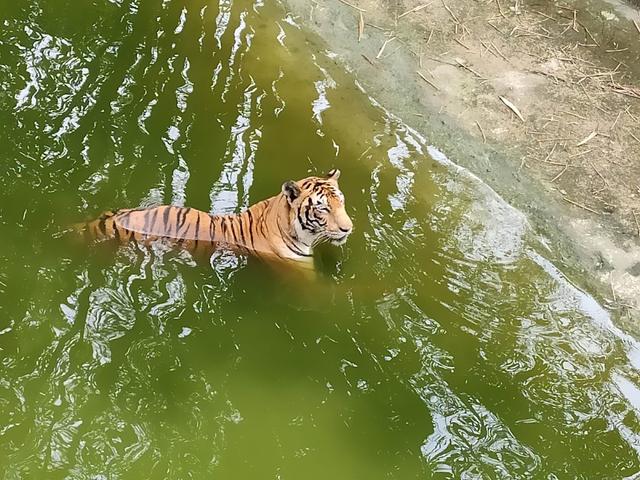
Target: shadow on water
<point>439,342</point>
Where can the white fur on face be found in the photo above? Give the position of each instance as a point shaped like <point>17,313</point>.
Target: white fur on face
<point>331,230</point>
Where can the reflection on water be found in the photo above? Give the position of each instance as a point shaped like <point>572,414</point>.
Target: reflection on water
<point>441,342</point>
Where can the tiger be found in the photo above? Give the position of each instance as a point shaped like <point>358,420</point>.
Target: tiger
<point>285,227</point>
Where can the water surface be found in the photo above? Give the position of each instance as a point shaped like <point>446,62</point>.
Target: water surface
<point>439,342</point>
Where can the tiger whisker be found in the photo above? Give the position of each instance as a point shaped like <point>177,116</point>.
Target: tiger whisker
<point>318,240</point>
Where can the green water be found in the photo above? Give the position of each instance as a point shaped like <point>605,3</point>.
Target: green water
<point>438,343</point>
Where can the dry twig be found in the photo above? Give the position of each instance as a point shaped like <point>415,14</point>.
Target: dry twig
<point>579,154</point>
<point>499,52</point>
<point>579,205</point>
<point>553,149</point>
<point>561,173</point>
<point>428,81</point>
<point>513,108</point>
<point>496,29</point>
<point>588,138</point>
<point>616,121</point>
<point>544,15</point>
<point>384,46</point>
<point>606,184</point>
<point>467,67</point>
<point>414,9</point>
<point>352,6</point>
<point>590,36</point>
<point>450,12</point>
<point>377,27</point>
<point>429,39</point>
<point>484,137</point>
<point>460,43</point>
<point>627,90</point>
<point>574,115</point>
<point>368,59</point>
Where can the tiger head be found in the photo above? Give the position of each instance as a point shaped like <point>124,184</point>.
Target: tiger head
<point>317,211</point>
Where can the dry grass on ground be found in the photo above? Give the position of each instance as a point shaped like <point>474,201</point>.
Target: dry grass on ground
<point>558,86</point>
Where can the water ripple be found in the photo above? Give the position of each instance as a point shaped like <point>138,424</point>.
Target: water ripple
<point>445,345</point>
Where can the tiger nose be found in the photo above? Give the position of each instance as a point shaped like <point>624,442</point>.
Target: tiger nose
<point>346,226</point>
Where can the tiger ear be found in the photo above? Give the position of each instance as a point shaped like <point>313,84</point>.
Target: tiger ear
<point>333,174</point>
<point>290,190</point>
